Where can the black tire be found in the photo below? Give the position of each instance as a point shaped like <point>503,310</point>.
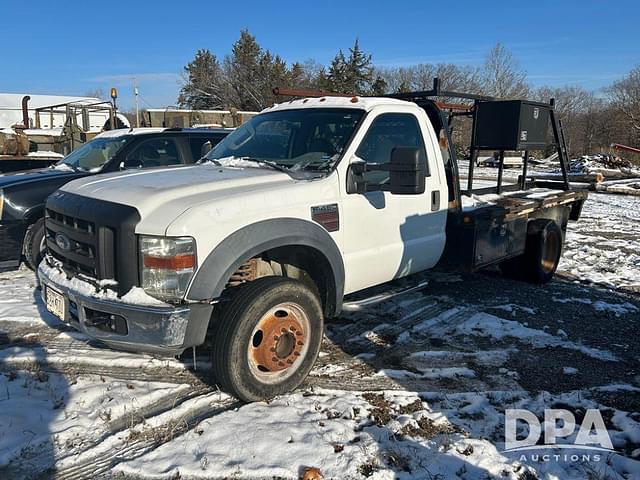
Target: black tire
<point>543,250</point>
<point>239,346</point>
<point>33,242</point>
<point>542,253</point>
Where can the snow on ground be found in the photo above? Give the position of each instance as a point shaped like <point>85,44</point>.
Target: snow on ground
<point>415,388</point>
<point>18,302</point>
<point>42,410</point>
<point>604,248</point>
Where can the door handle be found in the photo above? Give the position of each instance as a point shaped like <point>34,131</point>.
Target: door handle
<point>435,200</point>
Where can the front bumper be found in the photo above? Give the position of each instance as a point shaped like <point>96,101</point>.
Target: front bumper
<point>139,328</point>
<point>11,238</point>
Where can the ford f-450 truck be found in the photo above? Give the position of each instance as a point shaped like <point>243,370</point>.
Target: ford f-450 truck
<point>308,202</point>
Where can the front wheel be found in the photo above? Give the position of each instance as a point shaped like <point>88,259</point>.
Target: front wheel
<point>267,338</point>
<point>34,244</point>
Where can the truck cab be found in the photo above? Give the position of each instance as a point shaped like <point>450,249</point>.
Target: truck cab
<point>309,201</point>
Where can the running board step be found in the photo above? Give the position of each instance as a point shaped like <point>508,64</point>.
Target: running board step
<point>358,305</point>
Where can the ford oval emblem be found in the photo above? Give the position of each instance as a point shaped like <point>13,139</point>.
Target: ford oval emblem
<point>63,242</point>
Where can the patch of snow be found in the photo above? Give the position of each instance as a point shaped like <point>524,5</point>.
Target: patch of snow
<point>138,296</point>
<point>43,411</point>
<point>121,132</point>
<point>20,300</point>
<point>471,202</point>
<point>45,132</point>
<point>63,167</point>
<point>618,309</point>
<point>45,154</point>
<point>135,295</point>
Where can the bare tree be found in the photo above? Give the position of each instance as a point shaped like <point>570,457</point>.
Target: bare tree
<point>420,77</point>
<point>625,96</point>
<point>503,77</point>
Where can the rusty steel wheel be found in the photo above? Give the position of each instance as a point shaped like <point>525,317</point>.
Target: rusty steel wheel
<point>279,340</point>
<point>266,338</point>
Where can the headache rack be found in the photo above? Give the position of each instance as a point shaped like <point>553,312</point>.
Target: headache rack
<point>498,125</point>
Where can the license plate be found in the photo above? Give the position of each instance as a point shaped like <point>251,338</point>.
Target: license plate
<point>55,303</point>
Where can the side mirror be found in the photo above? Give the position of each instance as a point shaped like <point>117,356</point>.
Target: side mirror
<point>131,163</point>
<point>205,148</point>
<point>355,179</point>
<point>407,171</point>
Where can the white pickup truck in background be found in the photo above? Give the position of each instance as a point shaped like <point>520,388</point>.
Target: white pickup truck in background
<point>308,202</point>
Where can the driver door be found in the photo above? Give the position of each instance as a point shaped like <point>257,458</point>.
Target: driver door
<point>387,235</point>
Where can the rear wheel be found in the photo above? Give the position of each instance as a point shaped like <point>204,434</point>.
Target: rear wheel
<point>542,253</point>
<point>34,244</point>
<point>267,338</point>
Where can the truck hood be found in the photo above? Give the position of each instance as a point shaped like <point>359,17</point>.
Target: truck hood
<point>37,175</point>
<point>165,193</point>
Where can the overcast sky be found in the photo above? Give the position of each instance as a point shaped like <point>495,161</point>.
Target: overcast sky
<point>72,47</point>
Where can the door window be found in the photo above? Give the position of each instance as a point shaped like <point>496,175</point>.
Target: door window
<point>155,152</point>
<point>389,131</point>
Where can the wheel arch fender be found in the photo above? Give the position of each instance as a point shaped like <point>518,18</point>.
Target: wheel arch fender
<point>34,213</point>
<point>252,240</point>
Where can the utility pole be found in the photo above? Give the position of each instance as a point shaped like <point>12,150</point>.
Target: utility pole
<point>136,93</point>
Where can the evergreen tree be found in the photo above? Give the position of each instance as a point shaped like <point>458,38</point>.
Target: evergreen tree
<point>352,74</point>
<point>359,71</point>
<point>336,77</point>
<point>379,86</point>
<point>243,71</point>
<point>201,88</point>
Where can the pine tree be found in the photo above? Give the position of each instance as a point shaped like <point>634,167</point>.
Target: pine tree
<point>243,72</point>
<point>379,86</point>
<point>350,75</point>
<point>201,89</point>
<point>336,76</point>
<point>359,72</point>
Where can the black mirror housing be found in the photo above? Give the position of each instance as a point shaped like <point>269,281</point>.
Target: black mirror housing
<point>407,171</point>
<point>355,180</point>
<point>205,148</point>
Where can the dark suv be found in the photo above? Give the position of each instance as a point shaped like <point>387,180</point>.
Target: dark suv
<point>23,194</point>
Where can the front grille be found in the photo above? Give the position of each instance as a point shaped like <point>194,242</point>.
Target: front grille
<point>98,237</point>
<point>79,245</point>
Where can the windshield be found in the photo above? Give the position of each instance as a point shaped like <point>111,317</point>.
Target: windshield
<point>305,139</point>
<point>93,155</point>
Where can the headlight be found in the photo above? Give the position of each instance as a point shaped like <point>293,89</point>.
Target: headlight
<point>1,202</point>
<point>167,265</point>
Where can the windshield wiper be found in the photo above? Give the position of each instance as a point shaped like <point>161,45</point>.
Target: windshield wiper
<point>274,165</point>
<point>318,165</point>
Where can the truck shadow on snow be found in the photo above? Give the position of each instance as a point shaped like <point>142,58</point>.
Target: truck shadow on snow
<point>32,400</point>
